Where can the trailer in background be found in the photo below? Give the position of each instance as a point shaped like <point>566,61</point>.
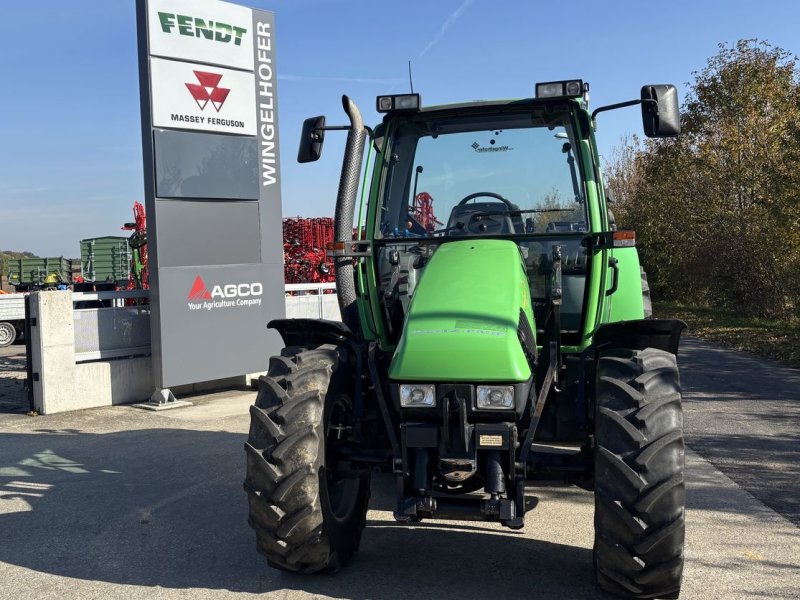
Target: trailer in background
<point>38,272</point>
<point>106,259</point>
<point>12,318</point>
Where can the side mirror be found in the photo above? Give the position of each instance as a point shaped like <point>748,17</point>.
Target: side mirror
<point>311,140</point>
<point>660,116</point>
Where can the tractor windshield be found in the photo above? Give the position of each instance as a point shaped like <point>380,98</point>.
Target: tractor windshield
<point>483,175</point>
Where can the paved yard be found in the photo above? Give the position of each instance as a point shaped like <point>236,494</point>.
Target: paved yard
<point>13,397</point>
<point>123,503</point>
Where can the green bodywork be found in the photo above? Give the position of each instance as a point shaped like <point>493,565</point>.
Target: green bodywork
<point>454,287</point>
<point>462,323</point>
<point>626,303</point>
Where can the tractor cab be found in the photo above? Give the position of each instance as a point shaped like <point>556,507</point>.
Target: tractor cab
<point>519,171</point>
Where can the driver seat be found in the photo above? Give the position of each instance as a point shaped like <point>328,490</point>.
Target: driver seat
<point>462,213</point>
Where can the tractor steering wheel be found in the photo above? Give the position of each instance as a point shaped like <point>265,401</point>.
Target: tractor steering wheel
<point>507,218</point>
<point>466,199</point>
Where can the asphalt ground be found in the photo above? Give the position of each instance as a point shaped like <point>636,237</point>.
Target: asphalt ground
<point>123,503</point>
<point>13,397</point>
<point>743,416</point>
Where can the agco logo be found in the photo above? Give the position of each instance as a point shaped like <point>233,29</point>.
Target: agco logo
<point>208,90</point>
<point>223,296</point>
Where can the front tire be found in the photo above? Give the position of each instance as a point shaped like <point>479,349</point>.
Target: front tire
<point>307,515</point>
<point>639,474</point>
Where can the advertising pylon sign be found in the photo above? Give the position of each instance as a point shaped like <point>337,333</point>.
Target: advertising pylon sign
<point>212,187</point>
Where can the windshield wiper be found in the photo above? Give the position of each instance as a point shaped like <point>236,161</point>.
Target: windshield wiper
<point>515,212</point>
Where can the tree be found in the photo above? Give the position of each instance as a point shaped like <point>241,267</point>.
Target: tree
<point>717,210</point>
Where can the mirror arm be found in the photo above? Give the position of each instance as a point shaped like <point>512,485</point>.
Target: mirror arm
<point>652,103</point>
<point>315,136</point>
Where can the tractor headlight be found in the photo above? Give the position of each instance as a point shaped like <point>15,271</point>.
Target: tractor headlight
<point>397,103</point>
<point>560,89</point>
<point>417,396</point>
<point>495,397</point>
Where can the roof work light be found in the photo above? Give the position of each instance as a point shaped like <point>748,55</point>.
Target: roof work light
<point>572,88</point>
<point>398,102</point>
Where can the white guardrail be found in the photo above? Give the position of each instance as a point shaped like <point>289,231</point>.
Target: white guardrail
<point>319,288</point>
<point>312,301</point>
<point>117,297</point>
<point>107,325</point>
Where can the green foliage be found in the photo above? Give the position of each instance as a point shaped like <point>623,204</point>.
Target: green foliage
<point>777,338</point>
<point>556,209</point>
<point>717,210</point>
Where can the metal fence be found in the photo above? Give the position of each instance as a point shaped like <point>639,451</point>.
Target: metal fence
<point>106,328</point>
<point>312,301</point>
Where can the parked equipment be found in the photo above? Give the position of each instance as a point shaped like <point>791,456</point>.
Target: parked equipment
<point>106,259</point>
<point>39,272</point>
<point>12,318</point>
<point>502,348</point>
<point>304,243</point>
<point>139,271</point>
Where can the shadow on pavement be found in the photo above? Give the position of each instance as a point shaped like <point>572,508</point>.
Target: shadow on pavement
<point>165,507</point>
<point>741,415</point>
<point>766,467</point>
<point>13,396</point>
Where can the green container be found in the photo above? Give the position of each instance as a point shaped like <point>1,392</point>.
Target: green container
<point>106,259</point>
<point>39,271</point>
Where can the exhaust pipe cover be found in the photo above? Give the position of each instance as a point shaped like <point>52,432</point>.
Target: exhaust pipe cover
<point>345,210</point>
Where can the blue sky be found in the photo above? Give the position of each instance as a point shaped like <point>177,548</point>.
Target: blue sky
<point>70,150</point>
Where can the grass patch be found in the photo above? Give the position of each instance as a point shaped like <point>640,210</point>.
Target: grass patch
<point>776,338</point>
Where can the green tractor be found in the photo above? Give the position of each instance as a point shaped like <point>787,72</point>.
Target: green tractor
<point>493,337</point>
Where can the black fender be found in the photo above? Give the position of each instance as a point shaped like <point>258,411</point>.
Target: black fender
<point>663,334</point>
<point>312,332</point>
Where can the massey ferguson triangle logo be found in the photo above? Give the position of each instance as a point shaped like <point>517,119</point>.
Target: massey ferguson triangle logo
<point>199,291</point>
<point>208,90</point>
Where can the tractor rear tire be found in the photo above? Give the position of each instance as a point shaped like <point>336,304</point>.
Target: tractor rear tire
<point>639,474</point>
<point>307,515</point>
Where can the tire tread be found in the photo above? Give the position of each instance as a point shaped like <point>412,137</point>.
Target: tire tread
<point>285,463</point>
<point>639,486</point>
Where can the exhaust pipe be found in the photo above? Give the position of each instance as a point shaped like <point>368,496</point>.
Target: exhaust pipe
<point>345,210</point>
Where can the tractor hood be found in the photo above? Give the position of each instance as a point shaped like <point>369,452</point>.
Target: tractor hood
<point>464,319</point>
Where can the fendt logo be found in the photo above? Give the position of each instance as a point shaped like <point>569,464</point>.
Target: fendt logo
<point>223,296</point>
<point>201,28</point>
<point>208,90</point>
